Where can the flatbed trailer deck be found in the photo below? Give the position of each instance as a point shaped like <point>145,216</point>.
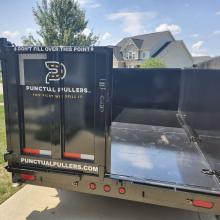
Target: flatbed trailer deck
<point>163,155</point>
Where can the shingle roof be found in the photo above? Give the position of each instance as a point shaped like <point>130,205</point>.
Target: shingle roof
<point>172,46</point>
<point>147,41</point>
<point>117,53</point>
<point>137,42</point>
<point>161,49</point>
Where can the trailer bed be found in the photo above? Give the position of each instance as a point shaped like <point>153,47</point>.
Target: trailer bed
<point>159,155</point>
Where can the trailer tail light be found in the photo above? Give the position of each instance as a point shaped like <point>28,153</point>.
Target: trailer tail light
<point>78,156</point>
<point>107,188</point>
<point>122,190</point>
<point>26,176</point>
<point>203,204</point>
<point>38,152</point>
<point>92,186</point>
<point>72,155</point>
<point>31,151</point>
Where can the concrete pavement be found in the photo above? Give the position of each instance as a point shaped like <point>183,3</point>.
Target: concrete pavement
<point>34,202</point>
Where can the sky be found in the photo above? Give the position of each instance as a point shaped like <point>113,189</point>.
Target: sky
<point>196,22</point>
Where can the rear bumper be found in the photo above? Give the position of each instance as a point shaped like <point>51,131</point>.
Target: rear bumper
<point>135,192</point>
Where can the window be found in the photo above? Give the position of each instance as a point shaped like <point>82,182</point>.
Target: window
<point>143,54</point>
<point>133,56</point>
<point>130,55</point>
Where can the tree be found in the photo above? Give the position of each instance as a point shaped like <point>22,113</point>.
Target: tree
<point>153,63</point>
<point>61,22</point>
<point>31,41</point>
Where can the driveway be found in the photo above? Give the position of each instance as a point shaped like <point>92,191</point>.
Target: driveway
<point>34,203</point>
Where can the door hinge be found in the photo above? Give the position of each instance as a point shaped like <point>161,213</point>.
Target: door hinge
<point>8,156</point>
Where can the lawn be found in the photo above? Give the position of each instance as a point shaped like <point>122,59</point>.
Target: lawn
<point>1,98</point>
<point>6,188</point>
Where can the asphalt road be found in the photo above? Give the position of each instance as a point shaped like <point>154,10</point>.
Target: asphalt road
<point>34,202</point>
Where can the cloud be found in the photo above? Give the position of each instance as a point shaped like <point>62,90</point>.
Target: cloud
<point>175,29</point>
<point>132,21</point>
<point>83,2</point>
<point>30,30</point>
<point>198,45</point>
<point>10,34</point>
<point>95,5</point>
<point>107,39</point>
<point>198,49</point>
<point>218,13</point>
<point>87,32</point>
<point>105,36</point>
<point>217,32</point>
<point>195,35</point>
<point>89,3</point>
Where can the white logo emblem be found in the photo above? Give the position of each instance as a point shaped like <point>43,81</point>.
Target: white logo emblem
<point>57,71</point>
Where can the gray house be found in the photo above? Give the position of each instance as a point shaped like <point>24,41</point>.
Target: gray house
<point>212,63</point>
<point>131,52</point>
<point>200,59</point>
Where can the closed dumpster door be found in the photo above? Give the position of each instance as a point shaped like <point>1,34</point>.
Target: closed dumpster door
<point>62,105</point>
<point>78,106</point>
<point>36,106</point>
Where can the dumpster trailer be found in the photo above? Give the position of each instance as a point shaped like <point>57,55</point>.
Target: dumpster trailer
<point>147,135</point>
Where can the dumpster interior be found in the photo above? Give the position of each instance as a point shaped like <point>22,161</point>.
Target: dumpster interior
<point>166,128</point>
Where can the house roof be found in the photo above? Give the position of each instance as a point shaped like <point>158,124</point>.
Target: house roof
<point>138,42</point>
<point>161,49</point>
<point>117,53</point>
<point>199,59</point>
<point>170,47</point>
<point>212,63</point>
<point>147,41</point>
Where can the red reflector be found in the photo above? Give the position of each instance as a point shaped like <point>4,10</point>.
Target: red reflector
<point>92,186</point>
<point>122,190</point>
<point>107,188</point>
<point>31,151</point>
<point>72,155</point>
<point>203,204</point>
<point>26,176</point>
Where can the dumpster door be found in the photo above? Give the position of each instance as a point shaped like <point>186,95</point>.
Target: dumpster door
<point>63,106</point>
<point>78,106</point>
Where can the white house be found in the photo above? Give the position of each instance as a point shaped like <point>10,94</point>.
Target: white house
<point>133,51</point>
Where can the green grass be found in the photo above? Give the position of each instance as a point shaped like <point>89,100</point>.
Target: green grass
<point>1,98</point>
<point>6,188</point>
<point>2,134</point>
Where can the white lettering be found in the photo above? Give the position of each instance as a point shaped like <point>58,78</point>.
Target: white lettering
<point>54,90</point>
<point>55,164</point>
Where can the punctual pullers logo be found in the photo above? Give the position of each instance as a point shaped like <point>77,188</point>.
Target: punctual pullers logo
<point>57,71</point>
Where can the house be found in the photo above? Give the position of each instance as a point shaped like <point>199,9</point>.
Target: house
<point>131,52</point>
<point>200,59</point>
<point>212,63</point>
